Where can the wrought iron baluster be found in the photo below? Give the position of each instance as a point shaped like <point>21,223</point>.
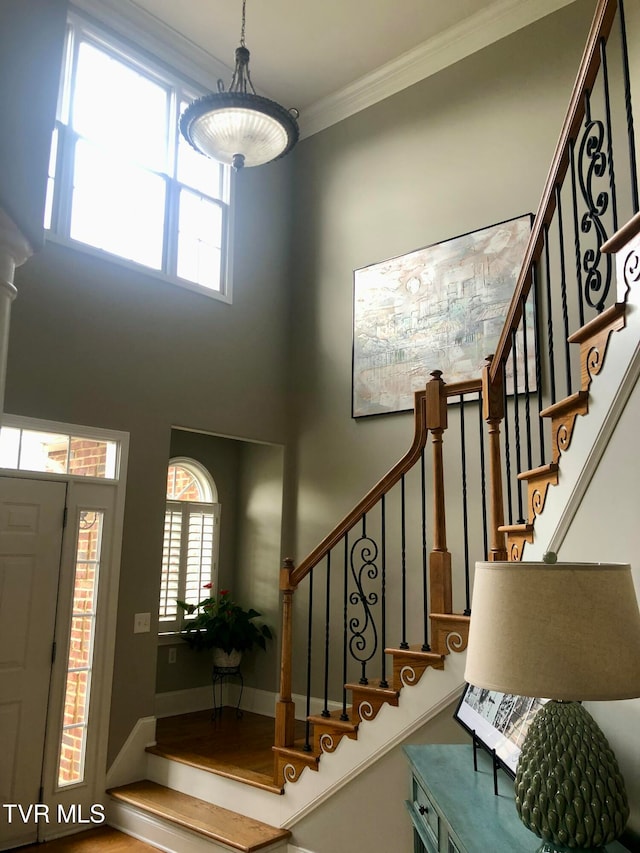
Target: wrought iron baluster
<point>363,642</point>
<point>563,291</point>
<point>344,715</point>
<point>403,560</point>
<point>465,508</point>
<point>483,480</point>
<point>425,596</point>
<point>576,230</point>
<point>507,444</point>
<point>538,344</point>
<point>607,113</point>
<point>383,614</point>
<point>307,731</point>
<point>527,401</point>
<point>327,624</point>
<point>592,162</point>
<point>552,363</point>
<point>633,167</point>
<point>516,425</point>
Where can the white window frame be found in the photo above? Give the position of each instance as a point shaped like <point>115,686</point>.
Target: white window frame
<point>182,87</point>
<point>112,496</point>
<point>187,509</point>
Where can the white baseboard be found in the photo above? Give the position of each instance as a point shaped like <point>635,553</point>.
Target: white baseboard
<point>253,700</point>
<point>130,763</point>
<point>183,701</point>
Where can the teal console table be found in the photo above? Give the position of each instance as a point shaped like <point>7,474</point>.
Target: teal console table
<point>454,809</point>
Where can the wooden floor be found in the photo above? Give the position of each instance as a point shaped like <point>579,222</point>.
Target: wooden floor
<point>102,840</point>
<point>238,748</point>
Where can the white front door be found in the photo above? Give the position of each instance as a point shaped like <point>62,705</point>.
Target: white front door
<point>31,521</point>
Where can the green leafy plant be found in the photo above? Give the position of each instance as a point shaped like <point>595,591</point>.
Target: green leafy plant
<point>221,623</point>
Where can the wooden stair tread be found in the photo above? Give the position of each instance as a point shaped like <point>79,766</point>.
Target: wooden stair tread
<point>222,825</point>
<point>601,321</point>
<point>334,721</point>
<point>568,404</point>
<point>414,652</point>
<point>450,617</point>
<point>516,528</point>
<point>623,235</point>
<point>542,471</point>
<point>374,689</point>
<point>239,774</point>
<point>299,753</point>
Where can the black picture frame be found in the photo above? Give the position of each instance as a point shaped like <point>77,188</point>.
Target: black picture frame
<point>497,721</point>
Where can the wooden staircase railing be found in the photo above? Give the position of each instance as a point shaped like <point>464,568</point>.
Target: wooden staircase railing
<point>385,571</point>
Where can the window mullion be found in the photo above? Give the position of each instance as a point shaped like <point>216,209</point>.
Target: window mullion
<point>171,224</point>
<point>63,192</point>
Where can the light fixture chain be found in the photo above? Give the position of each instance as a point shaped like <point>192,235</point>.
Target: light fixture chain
<point>244,19</point>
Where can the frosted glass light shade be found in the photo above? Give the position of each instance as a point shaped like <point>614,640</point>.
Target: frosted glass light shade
<point>229,125</point>
<point>568,631</point>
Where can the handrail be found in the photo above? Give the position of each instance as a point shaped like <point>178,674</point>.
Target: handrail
<point>589,66</point>
<point>373,496</point>
<point>464,386</point>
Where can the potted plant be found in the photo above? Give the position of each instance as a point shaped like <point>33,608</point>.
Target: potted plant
<point>221,624</point>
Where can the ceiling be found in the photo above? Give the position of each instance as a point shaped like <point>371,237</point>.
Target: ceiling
<point>324,55</point>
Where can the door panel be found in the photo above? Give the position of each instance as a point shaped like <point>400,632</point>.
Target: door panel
<point>31,514</point>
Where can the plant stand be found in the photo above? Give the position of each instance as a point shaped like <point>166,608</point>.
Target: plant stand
<point>219,675</point>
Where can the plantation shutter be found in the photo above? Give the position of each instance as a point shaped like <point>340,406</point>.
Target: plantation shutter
<point>189,557</point>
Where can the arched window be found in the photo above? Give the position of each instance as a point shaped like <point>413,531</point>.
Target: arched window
<point>191,539</point>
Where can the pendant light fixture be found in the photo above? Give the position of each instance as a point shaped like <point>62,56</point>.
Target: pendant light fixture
<point>239,127</point>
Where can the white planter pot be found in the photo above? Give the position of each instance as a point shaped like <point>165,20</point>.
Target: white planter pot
<point>224,660</point>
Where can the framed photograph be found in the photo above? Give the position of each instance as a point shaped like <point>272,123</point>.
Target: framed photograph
<point>438,308</point>
<point>499,721</point>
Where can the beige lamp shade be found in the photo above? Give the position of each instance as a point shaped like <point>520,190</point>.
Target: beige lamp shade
<point>557,631</point>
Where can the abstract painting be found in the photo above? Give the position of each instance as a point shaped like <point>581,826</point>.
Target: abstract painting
<point>438,308</point>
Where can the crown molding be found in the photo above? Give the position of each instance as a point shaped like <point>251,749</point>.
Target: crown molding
<point>498,20</point>
<point>130,21</point>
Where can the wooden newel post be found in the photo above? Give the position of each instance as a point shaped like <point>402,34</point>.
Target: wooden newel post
<point>285,707</point>
<point>493,413</point>
<point>440,558</point>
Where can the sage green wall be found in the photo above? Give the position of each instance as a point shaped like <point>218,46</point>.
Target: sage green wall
<point>97,344</point>
<point>30,58</point>
<point>221,458</point>
<point>465,148</point>
<point>249,478</point>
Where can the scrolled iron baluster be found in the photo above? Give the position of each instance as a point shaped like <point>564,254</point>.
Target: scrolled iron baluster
<point>364,634</point>
<point>592,164</point>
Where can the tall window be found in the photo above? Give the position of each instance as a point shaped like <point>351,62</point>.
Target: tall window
<point>121,177</point>
<point>191,539</point>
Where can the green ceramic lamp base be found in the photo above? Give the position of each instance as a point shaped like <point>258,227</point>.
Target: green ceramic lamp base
<point>569,790</point>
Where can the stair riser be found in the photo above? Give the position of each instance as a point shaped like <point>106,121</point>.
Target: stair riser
<point>228,793</point>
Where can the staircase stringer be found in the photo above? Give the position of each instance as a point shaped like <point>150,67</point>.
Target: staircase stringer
<point>608,396</point>
<point>434,692</point>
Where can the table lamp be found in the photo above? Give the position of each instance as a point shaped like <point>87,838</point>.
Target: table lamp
<point>566,632</point>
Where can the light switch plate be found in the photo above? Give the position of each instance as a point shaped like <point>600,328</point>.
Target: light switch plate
<point>141,623</point>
